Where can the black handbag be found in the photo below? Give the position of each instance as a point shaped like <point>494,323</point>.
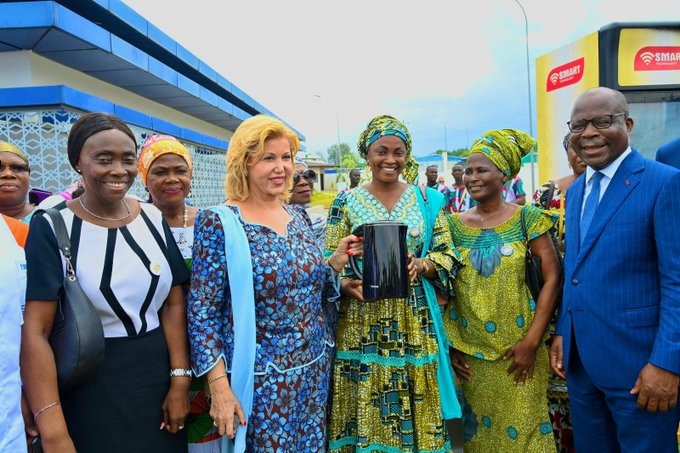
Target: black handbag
<point>77,337</point>
<point>532,266</point>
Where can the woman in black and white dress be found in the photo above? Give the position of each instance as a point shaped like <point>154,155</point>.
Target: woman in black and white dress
<point>131,269</point>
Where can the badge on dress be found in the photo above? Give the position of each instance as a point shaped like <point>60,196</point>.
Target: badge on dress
<point>507,250</point>
<point>155,268</point>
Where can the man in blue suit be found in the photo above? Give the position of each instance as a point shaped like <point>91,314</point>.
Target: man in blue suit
<point>669,153</point>
<point>618,331</point>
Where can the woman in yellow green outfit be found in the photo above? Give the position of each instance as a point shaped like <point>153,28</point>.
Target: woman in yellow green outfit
<point>390,390</point>
<point>497,329</point>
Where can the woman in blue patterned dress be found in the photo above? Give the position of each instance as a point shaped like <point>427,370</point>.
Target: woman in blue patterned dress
<point>256,312</point>
<point>392,386</point>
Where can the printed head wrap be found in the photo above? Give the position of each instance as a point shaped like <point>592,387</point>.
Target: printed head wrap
<point>157,145</point>
<point>381,126</point>
<point>6,147</point>
<point>505,148</point>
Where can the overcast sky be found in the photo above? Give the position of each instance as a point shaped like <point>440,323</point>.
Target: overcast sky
<point>450,69</point>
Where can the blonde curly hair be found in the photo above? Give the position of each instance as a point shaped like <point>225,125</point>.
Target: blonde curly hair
<point>246,148</point>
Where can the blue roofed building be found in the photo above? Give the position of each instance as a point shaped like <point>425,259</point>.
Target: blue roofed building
<point>63,58</point>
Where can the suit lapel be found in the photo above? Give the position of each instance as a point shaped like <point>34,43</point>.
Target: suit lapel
<point>624,181</point>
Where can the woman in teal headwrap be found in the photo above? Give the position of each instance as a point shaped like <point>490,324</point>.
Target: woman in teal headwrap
<point>497,329</point>
<point>390,389</point>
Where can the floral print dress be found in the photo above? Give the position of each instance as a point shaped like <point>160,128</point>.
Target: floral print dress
<point>292,286</point>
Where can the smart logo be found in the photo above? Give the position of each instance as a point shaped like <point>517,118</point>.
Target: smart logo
<point>647,57</point>
<point>657,58</point>
<point>565,75</point>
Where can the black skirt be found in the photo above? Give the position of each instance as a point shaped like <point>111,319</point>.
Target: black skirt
<point>119,409</point>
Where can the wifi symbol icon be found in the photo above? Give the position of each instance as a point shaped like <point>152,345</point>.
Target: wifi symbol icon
<point>554,78</point>
<point>647,57</point>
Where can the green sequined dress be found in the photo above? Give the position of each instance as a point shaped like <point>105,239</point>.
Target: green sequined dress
<point>384,388</point>
<point>491,312</point>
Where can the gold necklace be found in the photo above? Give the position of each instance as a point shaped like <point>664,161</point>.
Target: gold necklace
<point>108,219</point>
<point>494,213</point>
<point>185,217</point>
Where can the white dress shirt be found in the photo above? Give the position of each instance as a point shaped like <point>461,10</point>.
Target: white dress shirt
<point>609,171</point>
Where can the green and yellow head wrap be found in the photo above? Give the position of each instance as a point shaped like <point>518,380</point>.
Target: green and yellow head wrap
<point>6,147</point>
<point>505,148</point>
<point>381,126</point>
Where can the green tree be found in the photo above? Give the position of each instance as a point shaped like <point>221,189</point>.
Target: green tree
<point>350,161</point>
<point>460,152</point>
<point>346,157</point>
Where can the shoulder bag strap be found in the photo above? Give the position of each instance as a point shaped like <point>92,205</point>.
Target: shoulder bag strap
<point>447,389</point>
<point>551,192</point>
<point>63,240</point>
<point>423,193</point>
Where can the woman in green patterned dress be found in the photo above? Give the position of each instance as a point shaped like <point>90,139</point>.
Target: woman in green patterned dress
<point>497,329</point>
<point>389,392</point>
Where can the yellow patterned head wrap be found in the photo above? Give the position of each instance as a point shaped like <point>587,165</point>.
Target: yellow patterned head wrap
<point>505,148</point>
<point>6,147</point>
<point>388,125</point>
<point>157,145</point>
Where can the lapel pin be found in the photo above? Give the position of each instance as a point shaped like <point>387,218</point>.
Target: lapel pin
<point>627,182</point>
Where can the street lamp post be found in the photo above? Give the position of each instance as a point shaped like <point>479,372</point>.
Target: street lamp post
<point>445,154</point>
<point>337,127</point>
<point>531,128</point>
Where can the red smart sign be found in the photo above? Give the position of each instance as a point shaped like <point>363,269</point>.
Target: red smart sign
<point>565,75</point>
<point>657,58</point>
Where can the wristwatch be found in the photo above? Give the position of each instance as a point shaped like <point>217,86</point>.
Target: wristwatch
<point>180,372</point>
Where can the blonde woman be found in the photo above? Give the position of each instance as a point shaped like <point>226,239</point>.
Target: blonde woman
<point>257,299</point>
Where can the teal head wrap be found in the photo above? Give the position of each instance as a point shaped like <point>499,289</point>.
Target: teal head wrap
<point>381,126</point>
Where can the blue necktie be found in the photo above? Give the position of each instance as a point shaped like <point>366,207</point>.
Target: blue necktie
<point>591,204</point>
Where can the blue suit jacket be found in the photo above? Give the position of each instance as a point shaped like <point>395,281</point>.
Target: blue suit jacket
<point>669,153</point>
<point>621,298</point>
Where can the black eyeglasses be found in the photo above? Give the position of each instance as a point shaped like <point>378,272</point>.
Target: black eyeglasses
<point>17,169</point>
<point>309,175</point>
<point>599,122</point>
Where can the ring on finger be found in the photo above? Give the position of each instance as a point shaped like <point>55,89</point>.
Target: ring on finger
<point>181,426</point>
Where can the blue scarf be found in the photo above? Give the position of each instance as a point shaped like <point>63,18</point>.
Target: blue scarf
<point>240,273</point>
<point>447,387</point>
